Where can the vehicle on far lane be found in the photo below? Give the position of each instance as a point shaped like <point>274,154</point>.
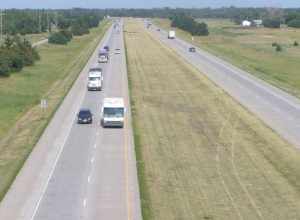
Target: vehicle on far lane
<point>117,51</point>
<point>192,49</point>
<point>84,116</point>
<point>113,112</point>
<point>171,35</point>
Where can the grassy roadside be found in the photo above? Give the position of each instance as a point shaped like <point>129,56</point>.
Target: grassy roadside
<point>144,192</point>
<point>22,120</point>
<point>251,50</point>
<point>200,154</point>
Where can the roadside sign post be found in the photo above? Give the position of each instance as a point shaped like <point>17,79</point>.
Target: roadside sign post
<point>44,105</point>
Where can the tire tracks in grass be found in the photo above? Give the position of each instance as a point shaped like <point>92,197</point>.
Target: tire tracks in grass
<point>252,201</point>
<point>218,166</point>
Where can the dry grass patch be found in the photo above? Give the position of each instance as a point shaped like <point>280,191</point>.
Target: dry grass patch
<point>200,154</point>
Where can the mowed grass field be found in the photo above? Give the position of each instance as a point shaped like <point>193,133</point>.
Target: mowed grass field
<point>21,119</point>
<point>200,154</point>
<point>251,49</point>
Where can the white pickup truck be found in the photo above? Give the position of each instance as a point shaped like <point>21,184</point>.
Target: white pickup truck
<point>95,79</point>
<point>113,112</point>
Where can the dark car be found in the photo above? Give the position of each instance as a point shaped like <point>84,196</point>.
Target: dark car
<point>84,116</point>
<point>106,48</point>
<point>192,49</point>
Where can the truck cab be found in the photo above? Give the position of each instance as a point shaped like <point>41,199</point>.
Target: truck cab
<point>113,112</point>
<point>103,56</point>
<point>95,79</point>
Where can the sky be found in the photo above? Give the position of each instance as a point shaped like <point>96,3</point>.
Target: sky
<point>145,3</point>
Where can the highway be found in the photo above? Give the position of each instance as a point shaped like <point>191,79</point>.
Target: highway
<point>276,108</point>
<point>81,171</point>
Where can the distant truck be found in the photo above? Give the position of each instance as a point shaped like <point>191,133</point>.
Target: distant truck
<point>95,79</point>
<point>112,112</point>
<point>171,35</point>
<point>103,56</point>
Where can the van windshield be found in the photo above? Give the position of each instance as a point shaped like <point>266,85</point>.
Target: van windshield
<point>94,78</point>
<point>113,112</point>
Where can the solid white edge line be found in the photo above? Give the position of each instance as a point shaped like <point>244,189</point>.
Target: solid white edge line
<point>51,173</point>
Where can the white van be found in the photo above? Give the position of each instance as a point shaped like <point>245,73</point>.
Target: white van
<point>113,112</point>
<point>171,35</point>
<point>95,79</point>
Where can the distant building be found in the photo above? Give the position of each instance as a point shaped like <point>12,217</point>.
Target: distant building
<point>257,23</point>
<point>246,23</point>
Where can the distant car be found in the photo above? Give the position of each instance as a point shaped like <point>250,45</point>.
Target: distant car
<point>158,29</point>
<point>192,49</point>
<point>117,51</point>
<point>84,116</point>
<point>106,48</point>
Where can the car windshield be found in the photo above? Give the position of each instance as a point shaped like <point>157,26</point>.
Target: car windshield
<point>113,112</point>
<point>94,78</point>
<point>95,70</point>
<point>84,113</point>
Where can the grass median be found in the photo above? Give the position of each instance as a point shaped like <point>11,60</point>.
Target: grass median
<point>22,120</point>
<point>251,49</point>
<point>200,154</point>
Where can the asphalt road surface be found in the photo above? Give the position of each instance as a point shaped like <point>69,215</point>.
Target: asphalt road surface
<point>81,171</point>
<point>276,108</point>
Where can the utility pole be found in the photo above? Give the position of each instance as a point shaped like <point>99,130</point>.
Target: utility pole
<point>48,25</point>
<point>40,21</point>
<point>1,26</point>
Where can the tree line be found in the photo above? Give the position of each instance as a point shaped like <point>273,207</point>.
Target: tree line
<point>188,24</point>
<point>32,21</point>
<point>17,52</point>
<point>272,17</point>
<point>77,23</point>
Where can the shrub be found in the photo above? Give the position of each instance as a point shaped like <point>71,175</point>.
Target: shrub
<point>17,61</point>
<point>274,44</point>
<point>16,53</point>
<point>295,23</point>
<point>68,34</point>
<point>79,30</point>
<point>296,44</point>
<point>187,23</point>
<point>278,48</point>
<point>58,38</point>
<point>4,63</point>
<point>271,23</point>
